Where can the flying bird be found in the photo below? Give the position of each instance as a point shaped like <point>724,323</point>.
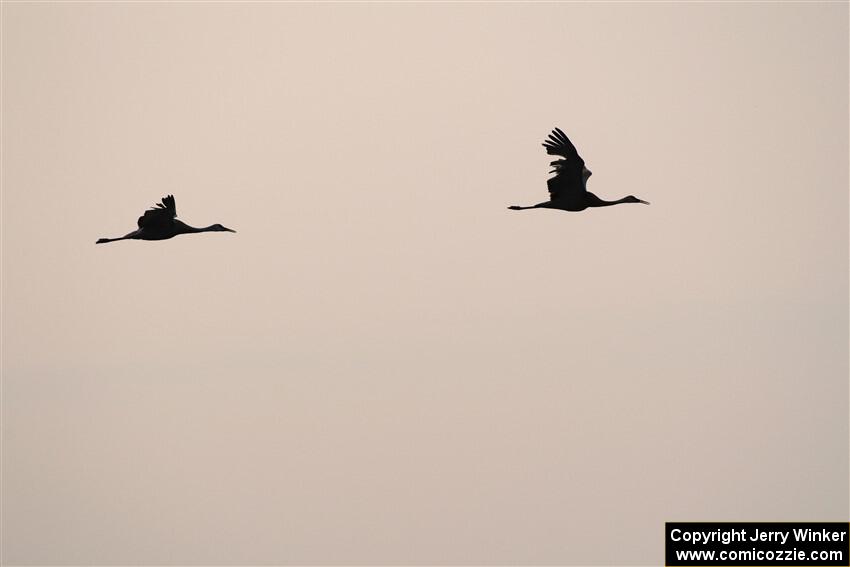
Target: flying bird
<point>568,189</point>
<point>160,222</point>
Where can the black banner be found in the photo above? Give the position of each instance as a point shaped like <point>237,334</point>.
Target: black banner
<point>757,543</point>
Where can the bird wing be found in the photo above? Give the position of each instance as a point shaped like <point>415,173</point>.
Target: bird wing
<point>569,172</point>
<point>162,214</point>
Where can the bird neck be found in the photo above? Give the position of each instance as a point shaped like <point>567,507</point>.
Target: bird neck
<point>186,229</point>
<point>602,203</point>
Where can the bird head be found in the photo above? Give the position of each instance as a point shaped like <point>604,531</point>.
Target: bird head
<point>219,228</point>
<point>633,199</point>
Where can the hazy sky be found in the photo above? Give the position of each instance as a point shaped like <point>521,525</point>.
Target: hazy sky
<point>384,365</point>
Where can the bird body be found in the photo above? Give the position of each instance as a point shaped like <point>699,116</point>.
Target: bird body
<point>568,189</point>
<point>161,223</point>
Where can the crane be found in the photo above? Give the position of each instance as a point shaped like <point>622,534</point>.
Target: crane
<point>568,189</point>
<point>160,223</point>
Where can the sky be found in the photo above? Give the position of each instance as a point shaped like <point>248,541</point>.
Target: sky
<point>384,365</point>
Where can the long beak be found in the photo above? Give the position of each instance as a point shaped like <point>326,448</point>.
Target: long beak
<point>229,230</point>
<point>642,201</point>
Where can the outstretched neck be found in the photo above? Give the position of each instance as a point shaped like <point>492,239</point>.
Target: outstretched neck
<point>595,201</point>
<point>604,203</point>
<point>183,228</point>
<point>186,229</point>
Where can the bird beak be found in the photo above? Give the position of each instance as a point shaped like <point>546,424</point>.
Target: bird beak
<point>642,201</point>
<point>229,229</point>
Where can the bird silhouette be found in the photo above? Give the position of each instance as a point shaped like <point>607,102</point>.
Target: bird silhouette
<point>160,222</point>
<point>568,189</point>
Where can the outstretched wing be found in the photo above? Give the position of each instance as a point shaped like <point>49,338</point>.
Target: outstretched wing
<point>163,213</point>
<point>570,172</point>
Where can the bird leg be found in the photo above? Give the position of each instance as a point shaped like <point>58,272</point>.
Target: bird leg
<point>132,235</point>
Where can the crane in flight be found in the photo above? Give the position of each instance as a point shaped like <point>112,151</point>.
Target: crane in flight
<point>568,189</point>
<point>160,222</point>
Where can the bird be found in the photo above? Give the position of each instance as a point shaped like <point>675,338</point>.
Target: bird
<point>568,189</point>
<point>160,223</point>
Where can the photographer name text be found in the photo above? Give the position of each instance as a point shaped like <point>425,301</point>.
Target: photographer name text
<point>780,536</point>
